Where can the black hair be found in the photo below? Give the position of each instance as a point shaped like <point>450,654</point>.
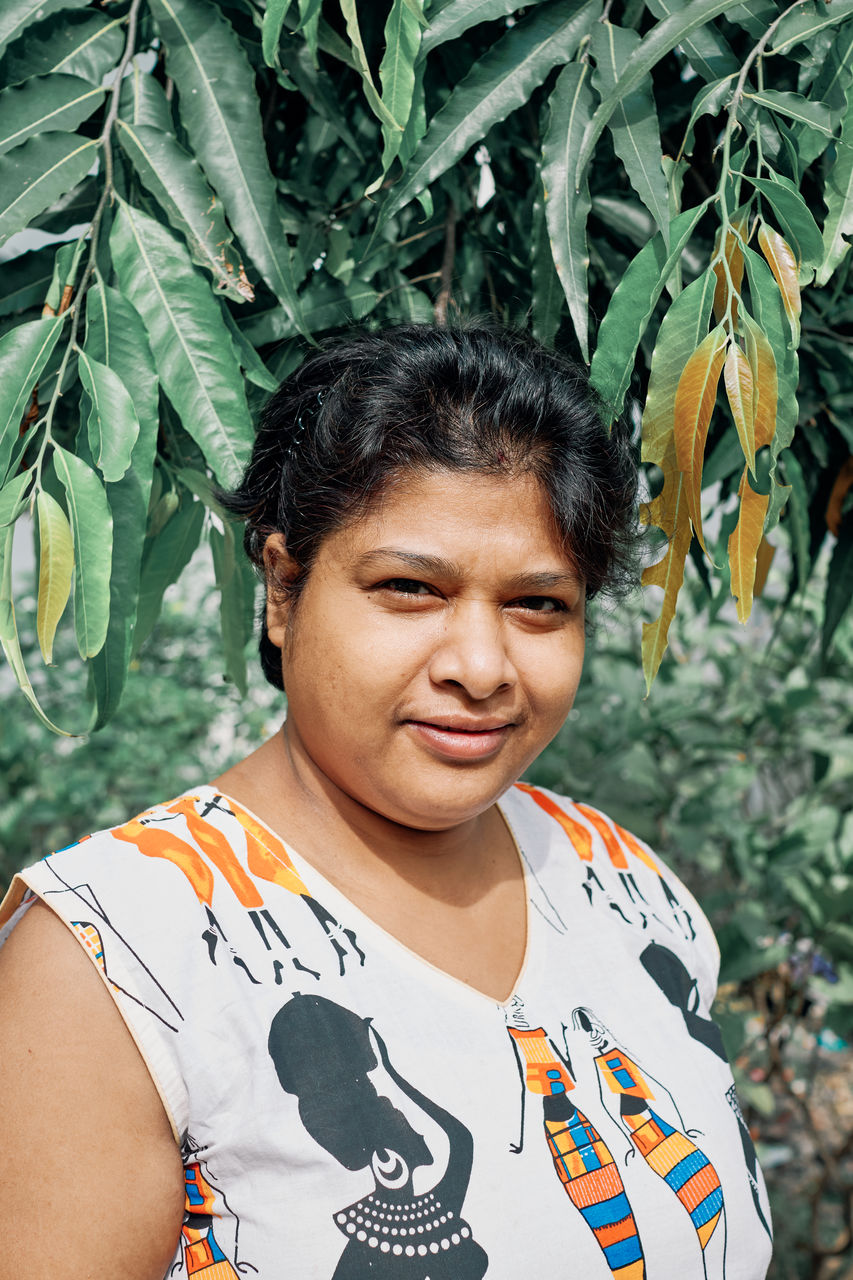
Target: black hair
<point>364,410</point>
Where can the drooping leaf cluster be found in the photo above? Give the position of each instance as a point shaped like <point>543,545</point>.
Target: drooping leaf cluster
<point>665,189</point>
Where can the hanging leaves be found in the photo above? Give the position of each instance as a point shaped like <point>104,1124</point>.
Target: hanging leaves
<point>694,404</point>
<point>56,566</point>
<point>744,543</point>
<point>783,264</point>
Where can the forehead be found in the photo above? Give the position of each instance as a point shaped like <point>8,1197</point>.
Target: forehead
<point>467,517</point>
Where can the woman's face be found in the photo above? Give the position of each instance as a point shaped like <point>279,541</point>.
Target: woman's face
<point>436,647</point>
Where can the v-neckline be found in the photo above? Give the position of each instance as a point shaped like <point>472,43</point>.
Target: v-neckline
<point>311,875</point>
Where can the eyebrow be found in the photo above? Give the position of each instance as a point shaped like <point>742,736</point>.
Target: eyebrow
<point>438,567</point>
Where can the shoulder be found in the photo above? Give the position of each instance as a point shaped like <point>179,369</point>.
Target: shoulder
<point>623,873</point>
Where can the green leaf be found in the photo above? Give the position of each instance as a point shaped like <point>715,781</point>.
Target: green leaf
<point>839,584</point>
<point>682,329</point>
<point>175,179</point>
<point>798,523</point>
<point>13,497</point>
<point>708,102</point>
<point>16,15</point>
<point>806,21</point>
<point>397,73</point>
<point>166,557</point>
<point>309,25</point>
<point>113,425</point>
<point>249,360</point>
<point>798,226</point>
<point>45,103</point>
<point>349,9</point>
<point>566,210</point>
<point>116,335</point>
<point>26,280</point>
<point>548,296</point>
<point>769,311</point>
<point>76,44</point>
<point>631,308</point>
<point>191,345</point>
<point>220,111</point>
<point>56,567</point>
<point>276,12</point>
<point>24,352</point>
<point>654,46</point>
<point>92,527</point>
<point>838,197</point>
<point>815,115</point>
<point>9,641</point>
<point>708,52</point>
<point>634,124</point>
<point>455,17</point>
<point>143,101</point>
<point>36,173</point>
<point>831,87</point>
<point>235,605</point>
<point>500,82</point>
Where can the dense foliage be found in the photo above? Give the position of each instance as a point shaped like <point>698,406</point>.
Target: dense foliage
<point>649,185</point>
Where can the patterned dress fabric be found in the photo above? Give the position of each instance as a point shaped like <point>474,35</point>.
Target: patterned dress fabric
<point>346,1110</point>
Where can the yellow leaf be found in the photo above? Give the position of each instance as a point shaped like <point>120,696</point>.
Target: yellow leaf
<point>56,566</point>
<point>737,375</point>
<point>694,404</point>
<point>783,264</point>
<point>763,561</point>
<point>765,381</point>
<point>669,512</point>
<point>744,543</point>
<point>734,257</point>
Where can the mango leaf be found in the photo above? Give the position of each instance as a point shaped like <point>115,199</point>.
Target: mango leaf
<point>764,386</point>
<point>744,543</point>
<point>16,15</point>
<point>631,308</point>
<point>839,584</point>
<point>45,103</point>
<point>772,320</point>
<point>9,641</point>
<point>739,382</point>
<point>838,197</point>
<point>33,175</point>
<point>115,334</point>
<point>654,46</point>
<point>247,356</point>
<point>669,512</point>
<point>707,50</point>
<point>25,280</point>
<point>733,258</point>
<point>165,559</point>
<point>349,9</point>
<point>76,44</point>
<point>782,263</point>
<point>235,605</point>
<point>548,296</point>
<point>397,73</point>
<point>220,111</point>
<point>801,230</point>
<point>24,352</point>
<point>113,425</point>
<point>92,528</point>
<point>175,179</point>
<point>276,12</point>
<point>694,404</point>
<point>634,124</point>
<point>709,102</point>
<point>500,82</point>
<point>805,111</point>
<point>804,22</point>
<point>13,497</point>
<point>309,24</point>
<point>454,17</point>
<point>56,567</point>
<point>188,337</point>
<point>831,87</point>
<point>143,101</point>
<point>798,523</point>
<point>566,210</point>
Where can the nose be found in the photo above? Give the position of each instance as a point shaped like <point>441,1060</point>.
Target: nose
<point>471,652</point>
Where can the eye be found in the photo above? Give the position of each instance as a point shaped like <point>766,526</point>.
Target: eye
<point>541,604</point>
<point>405,586</point>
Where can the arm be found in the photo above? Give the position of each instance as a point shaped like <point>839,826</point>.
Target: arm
<point>91,1182</point>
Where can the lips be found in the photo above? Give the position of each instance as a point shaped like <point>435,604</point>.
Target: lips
<point>461,738</point>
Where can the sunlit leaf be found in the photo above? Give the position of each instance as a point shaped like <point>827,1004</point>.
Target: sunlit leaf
<point>634,124</point>
<point>783,264</point>
<point>566,210</point>
<point>795,218</point>
<point>34,174</point>
<point>737,374</point>
<point>24,351</point>
<point>500,82</point>
<point>765,386</point>
<point>694,404</point>
<point>192,347</point>
<point>13,497</point>
<point>45,103</point>
<point>56,567</point>
<point>112,423</point>
<point>772,319</point>
<point>92,529</point>
<point>397,72</point>
<point>743,545</point>
<point>349,9</point>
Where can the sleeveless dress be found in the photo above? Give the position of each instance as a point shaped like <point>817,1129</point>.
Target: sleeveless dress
<point>346,1110</point>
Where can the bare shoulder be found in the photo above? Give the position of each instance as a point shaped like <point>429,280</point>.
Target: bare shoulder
<point>91,1183</point>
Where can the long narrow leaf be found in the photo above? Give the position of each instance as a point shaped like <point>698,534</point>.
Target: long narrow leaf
<point>35,174</point>
<point>397,73</point>
<point>113,425</point>
<point>803,24</point>
<point>56,568</point>
<point>744,543</point>
<point>838,195</point>
<point>707,49</point>
<point>73,43</point>
<point>24,352</point>
<point>16,15</point>
<point>92,528</point>
<point>694,404</point>
<point>45,103</point>
<point>349,9</point>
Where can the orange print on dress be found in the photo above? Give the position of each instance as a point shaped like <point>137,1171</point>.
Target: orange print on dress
<point>202,1255</point>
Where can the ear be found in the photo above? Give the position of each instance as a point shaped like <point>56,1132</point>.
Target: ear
<point>281,570</point>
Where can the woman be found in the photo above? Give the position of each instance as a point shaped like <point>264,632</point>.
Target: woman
<point>338,973</point>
